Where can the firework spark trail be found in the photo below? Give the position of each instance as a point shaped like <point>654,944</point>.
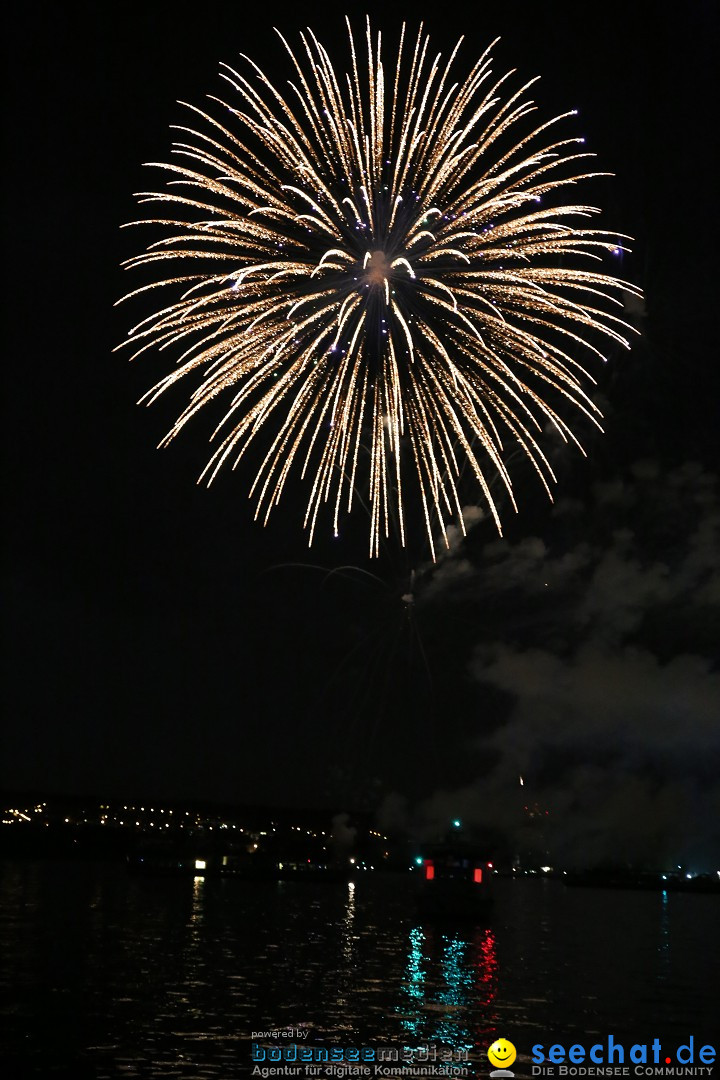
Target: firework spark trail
<point>388,264</point>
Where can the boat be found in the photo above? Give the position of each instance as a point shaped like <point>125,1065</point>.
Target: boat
<point>455,882</point>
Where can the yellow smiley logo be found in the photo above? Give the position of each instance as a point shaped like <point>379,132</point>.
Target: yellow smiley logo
<point>502,1054</point>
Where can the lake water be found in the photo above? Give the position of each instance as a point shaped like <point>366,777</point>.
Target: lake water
<point>106,975</point>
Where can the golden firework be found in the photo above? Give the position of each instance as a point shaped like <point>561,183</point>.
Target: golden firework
<point>378,270</point>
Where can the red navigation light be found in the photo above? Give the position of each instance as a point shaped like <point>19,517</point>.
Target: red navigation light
<point>477,876</point>
<point>429,870</point>
<point>489,866</point>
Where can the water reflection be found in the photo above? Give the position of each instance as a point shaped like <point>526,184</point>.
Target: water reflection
<point>123,976</point>
<point>664,939</point>
<point>348,924</point>
<point>196,913</point>
<point>449,987</point>
<point>415,977</point>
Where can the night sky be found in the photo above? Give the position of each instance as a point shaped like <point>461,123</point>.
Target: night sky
<point>158,642</point>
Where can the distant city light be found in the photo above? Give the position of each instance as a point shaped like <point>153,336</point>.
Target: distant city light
<point>200,864</point>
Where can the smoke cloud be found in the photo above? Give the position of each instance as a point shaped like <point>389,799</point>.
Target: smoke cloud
<point>601,639</point>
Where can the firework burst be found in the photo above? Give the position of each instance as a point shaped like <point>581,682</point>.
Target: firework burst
<point>374,271</point>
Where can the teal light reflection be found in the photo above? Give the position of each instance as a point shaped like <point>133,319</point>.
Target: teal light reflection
<point>459,980</point>
<point>415,976</point>
<point>449,986</point>
<point>664,945</point>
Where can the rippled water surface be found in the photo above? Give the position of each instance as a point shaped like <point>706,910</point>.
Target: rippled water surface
<point>106,975</point>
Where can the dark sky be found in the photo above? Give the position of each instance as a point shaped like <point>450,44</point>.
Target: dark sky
<point>159,642</point>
